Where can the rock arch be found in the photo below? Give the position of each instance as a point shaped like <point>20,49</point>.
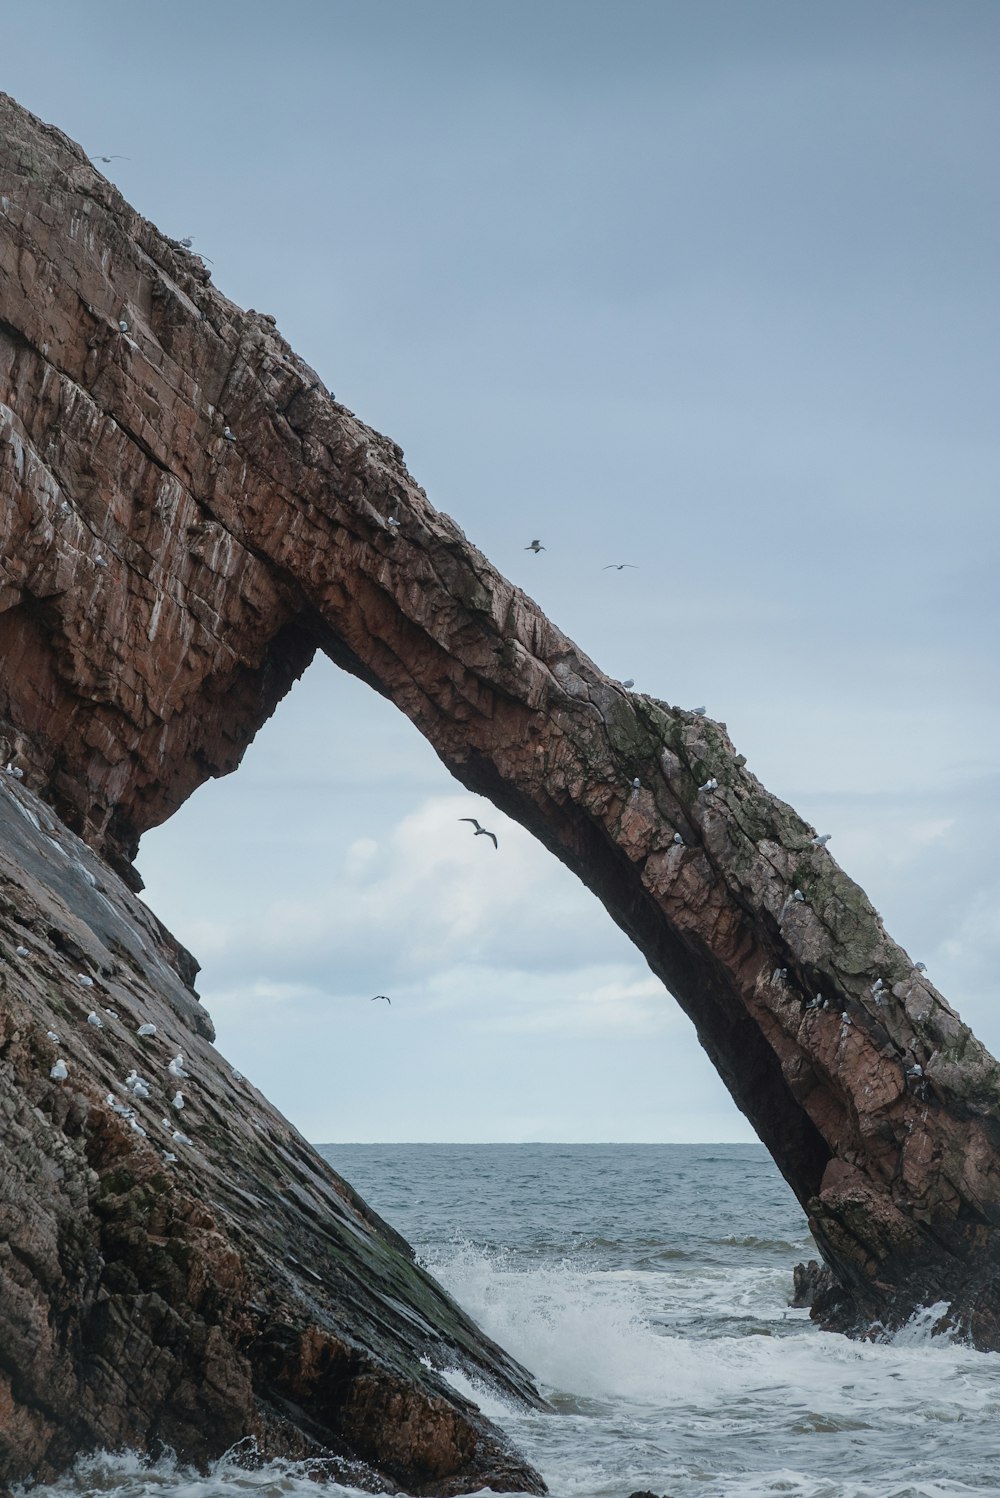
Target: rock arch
<point>189,515</point>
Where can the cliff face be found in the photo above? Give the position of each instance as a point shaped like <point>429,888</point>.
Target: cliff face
<point>188,515</point>
<point>190,1276</point>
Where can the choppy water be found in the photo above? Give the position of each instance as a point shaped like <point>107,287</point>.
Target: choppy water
<point>646,1288</point>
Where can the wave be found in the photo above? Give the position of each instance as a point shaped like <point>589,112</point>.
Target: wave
<point>237,1474</point>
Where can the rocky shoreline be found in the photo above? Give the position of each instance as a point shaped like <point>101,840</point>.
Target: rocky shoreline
<point>191,1277</point>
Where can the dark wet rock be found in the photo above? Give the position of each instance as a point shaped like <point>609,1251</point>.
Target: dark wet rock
<point>239,1290</point>
<point>809,1281</point>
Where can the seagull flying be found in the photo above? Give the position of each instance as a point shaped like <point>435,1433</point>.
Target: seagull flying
<point>536,547</point>
<point>483,831</point>
<point>381,996</point>
<point>618,566</point>
<point>106,159</point>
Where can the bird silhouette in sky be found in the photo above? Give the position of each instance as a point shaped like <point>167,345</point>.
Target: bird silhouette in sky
<point>619,566</point>
<point>481,831</point>
<point>536,547</point>
<point>106,159</point>
<point>381,996</point>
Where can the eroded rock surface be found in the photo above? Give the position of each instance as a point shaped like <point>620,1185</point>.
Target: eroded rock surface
<point>189,514</point>
<point>190,1276</point>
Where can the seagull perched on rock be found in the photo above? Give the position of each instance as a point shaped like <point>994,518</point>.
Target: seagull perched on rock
<point>481,831</point>
<point>93,1018</point>
<point>798,895</point>
<point>920,967</point>
<point>15,770</point>
<point>186,242</point>
<point>145,1030</point>
<point>178,1138</point>
<point>21,951</point>
<point>699,712</point>
<point>177,1101</point>
<point>229,434</point>
<point>710,785</point>
<point>60,1071</point>
<point>821,839</point>
<point>123,325</point>
<point>381,996</point>
<point>678,840</point>
<point>536,546</point>
<point>176,1067</point>
<point>53,1037</point>
<point>630,682</point>
<point>618,566</point>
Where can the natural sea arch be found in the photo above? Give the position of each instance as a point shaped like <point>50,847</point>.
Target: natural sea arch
<point>194,516</point>
<point>519,1012</point>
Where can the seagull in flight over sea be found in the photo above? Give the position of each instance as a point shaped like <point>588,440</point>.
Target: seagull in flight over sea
<point>619,566</point>
<point>482,831</point>
<point>381,996</point>
<point>536,547</point>
<point>106,159</point>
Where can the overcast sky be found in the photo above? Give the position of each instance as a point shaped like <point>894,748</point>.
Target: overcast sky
<point>707,286</point>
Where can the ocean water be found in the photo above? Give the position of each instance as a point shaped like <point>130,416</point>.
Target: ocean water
<point>646,1287</point>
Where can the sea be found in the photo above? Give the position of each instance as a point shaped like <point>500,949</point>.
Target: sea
<point>646,1287</point>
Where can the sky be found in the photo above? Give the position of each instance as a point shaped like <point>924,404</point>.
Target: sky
<point>703,286</point>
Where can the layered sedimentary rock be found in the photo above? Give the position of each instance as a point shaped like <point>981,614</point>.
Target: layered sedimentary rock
<point>178,1267</point>
<point>189,514</point>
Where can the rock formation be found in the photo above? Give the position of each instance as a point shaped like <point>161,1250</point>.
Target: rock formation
<point>178,1267</point>
<point>188,515</point>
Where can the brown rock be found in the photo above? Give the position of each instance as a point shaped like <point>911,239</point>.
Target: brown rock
<point>188,515</point>
<point>239,1290</point>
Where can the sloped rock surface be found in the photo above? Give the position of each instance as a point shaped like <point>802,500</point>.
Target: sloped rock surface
<point>189,514</point>
<point>192,1292</point>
